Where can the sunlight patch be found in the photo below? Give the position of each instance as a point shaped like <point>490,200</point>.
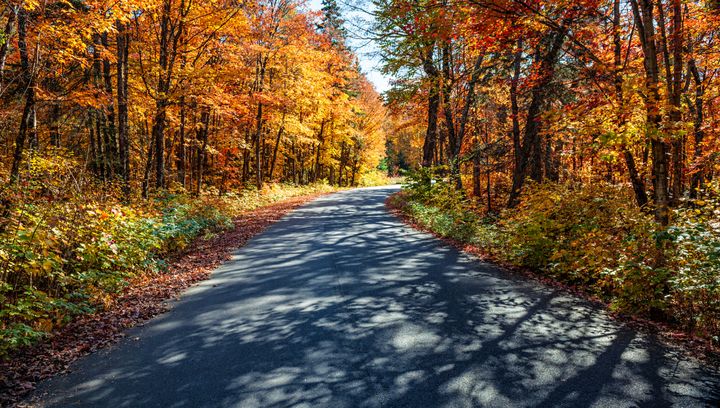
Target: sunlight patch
<point>410,337</point>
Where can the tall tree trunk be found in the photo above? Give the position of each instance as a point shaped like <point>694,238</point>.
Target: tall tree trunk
<point>28,120</point>
<point>148,167</point>
<point>318,153</point>
<point>92,153</point>
<point>181,147</point>
<point>110,130</point>
<point>514,107</point>
<point>169,37</point>
<point>277,146</point>
<point>5,47</point>
<point>643,13</point>
<point>259,142</point>
<point>123,46</point>
<point>158,135</point>
<point>202,140</point>
<point>678,142</point>
<point>259,146</point>
<point>531,140</point>
<point>447,83</point>
<point>698,132</point>
<point>429,145</point>
<point>636,180</point>
<point>457,135</point>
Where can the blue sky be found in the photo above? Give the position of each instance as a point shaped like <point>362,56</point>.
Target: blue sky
<point>370,64</point>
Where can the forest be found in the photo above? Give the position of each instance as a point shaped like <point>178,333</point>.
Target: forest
<point>129,128</point>
<point>575,138</point>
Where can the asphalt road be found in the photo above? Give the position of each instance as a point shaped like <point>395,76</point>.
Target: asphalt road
<point>341,305</point>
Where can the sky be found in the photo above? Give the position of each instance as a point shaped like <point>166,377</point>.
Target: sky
<point>369,63</point>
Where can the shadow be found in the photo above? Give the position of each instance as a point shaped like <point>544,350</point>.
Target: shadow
<point>341,305</point>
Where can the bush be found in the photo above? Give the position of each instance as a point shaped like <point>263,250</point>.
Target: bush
<point>695,281</point>
<point>591,236</point>
<point>60,258</point>
<point>378,178</point>
<point>594,237</point>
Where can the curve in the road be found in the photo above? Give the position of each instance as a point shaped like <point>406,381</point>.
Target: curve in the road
<point>341,305</point>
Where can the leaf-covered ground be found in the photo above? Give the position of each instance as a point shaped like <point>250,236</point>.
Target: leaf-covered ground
<point>143,299</point>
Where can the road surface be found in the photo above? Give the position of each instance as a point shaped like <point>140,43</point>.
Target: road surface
<point>341,305</point>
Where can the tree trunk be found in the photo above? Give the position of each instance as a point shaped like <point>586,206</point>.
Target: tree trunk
<point>698,132</point>
<point>318,166</point>
<point>110,131</point>
<point>452,137</point>
<point>169,37</point>
<point>514,108</point>
<point>277,146</point>
<point>258,147</point>
<point>636,180</point>
<point>429,145</point>
<point>202,139</point>
<point>5,47</point>
<point>531,140</point>
<point>123,45</point>
<point>643,13</point>
<point>28,124</point>
<point>148,167</point>
<point>678,143</point>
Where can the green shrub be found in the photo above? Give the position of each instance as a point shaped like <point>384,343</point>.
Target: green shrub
<point>60,258</point>
<point>592,236</point>
<point>595,237</point>
<point>695,278</point>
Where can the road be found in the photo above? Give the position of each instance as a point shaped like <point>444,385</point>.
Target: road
<point>340,304</point>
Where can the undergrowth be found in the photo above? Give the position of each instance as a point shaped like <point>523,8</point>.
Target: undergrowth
<point>595,238</point>
<point>67,248</point>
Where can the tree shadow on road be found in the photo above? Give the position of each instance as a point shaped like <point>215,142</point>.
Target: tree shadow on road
<point>340,305</point>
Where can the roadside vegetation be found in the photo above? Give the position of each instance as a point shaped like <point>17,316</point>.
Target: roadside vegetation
<point>579,139</point>
<point>594,238</point>
<point>74,251</point>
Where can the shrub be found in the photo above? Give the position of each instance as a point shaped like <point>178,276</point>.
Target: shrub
<point>594,237</point>
<point>695,278</point>
<point>74,254</point>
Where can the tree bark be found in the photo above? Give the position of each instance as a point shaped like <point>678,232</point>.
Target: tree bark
<point>698,131</point>
<point>5,47</point>
<point>636,180</point>
<point>277,146</point>
<point>28,124</point>
<point>678,142</point>
<point>110,130</point>
<point>429,145</point>
<point>123,45</point>
<point>643,13</point>
<point>531,140</point>
<point>514,107</point>
<point>202,139</point>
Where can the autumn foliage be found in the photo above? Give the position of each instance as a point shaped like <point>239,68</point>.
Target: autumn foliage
<point>576,138</point>
<point>130,128</point>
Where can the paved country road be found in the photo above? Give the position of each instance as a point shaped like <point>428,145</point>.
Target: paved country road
<point>341,305</point>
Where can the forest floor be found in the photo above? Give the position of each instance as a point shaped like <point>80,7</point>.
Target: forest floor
<point>145,297</point>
